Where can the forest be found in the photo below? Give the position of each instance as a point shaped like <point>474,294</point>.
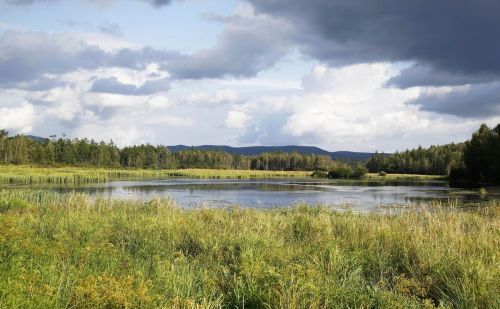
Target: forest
<point>83,152</point>
<point>435,160</point>
<point>476,160</point>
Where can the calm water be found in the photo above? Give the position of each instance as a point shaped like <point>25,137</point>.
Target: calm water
<point>263,193</point>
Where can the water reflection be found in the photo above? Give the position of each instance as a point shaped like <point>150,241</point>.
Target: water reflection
<point>360,195</point>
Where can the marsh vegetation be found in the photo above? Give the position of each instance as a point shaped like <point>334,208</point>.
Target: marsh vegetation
<point>65,250</point>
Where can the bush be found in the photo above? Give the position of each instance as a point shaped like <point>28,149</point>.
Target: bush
<point>341,172</point>
<point>382,173</point>
<point>320,174</point>
<point>346,171</point>
<point>360,171</point>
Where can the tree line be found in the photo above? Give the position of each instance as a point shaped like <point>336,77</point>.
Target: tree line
<point>474,161</point>
<point>84,152</point>
<point>435,160</point>
<point>481,157</point>
<point>477,160</point>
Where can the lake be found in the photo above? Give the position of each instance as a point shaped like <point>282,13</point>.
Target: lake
<point>264,193</point>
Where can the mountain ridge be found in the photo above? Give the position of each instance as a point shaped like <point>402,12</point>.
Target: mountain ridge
<point>256,150</point>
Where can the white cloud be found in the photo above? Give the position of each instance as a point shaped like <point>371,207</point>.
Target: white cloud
<point>349,108</point>
<point>20,118</point>
<point>158,102</point>
<point>236,119</point>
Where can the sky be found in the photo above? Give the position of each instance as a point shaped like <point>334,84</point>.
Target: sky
<point>355,75</point>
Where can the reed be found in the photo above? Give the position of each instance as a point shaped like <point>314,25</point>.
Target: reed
<point>67,250</point>
<point>23,174</point>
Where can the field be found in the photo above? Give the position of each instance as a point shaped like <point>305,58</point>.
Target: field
<point>24,174</point>
<point>67,251</point>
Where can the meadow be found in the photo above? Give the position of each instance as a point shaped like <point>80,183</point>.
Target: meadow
<point>25,174</point>
<point>69,251</point>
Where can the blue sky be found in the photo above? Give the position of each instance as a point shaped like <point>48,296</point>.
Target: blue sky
<point>183,25</point>
<point>326,73</point>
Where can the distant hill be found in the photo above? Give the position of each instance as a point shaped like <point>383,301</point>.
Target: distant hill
<point>256,150</point>
<point>37,138</point>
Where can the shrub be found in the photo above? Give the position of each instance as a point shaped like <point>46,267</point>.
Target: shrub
<point>360,171</point>
<point>382,173</point>
<point>342,171</point>
<point>320,174</point>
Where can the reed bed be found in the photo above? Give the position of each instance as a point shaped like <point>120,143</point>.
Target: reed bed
<point>68,251</point>
<point>376,176</point>
<point>12,174</point>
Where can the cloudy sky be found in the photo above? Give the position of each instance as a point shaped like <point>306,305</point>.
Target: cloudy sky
<point>339,74</point>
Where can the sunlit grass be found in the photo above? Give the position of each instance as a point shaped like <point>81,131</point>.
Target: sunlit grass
<point>28,174</point>
<point>376,176</point>
<point>70,251</point>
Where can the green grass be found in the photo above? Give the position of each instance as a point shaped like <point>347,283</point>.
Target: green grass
<point>376,176</point>
<point>23,174</point>
<point>68,251</point>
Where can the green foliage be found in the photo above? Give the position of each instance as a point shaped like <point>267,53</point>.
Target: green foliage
<point>382,173</point>
<point>481,157</point>
<point>320,174</point>
<point>13,205</point>
<point>360,171</point>
<point>435,160</point>
<point>71,251</point>
<point>342,170</point>
<point>84,152</point>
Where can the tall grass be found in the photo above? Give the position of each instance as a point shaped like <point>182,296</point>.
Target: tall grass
<point>30,175</point>
<point>72,252</point>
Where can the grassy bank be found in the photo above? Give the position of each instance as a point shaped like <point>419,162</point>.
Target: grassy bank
<point>24,174</point>
<point>390,177</point>
<point>69,251</point>
<point>27,174</point>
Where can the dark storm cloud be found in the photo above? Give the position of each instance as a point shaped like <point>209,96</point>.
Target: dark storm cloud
<point>418,75</point>
<point>246,46</point>
<point>450,42</point>
<point>457,36</point>
<point>475,101</point>
<point>27,57</point>
<point>112,85</point>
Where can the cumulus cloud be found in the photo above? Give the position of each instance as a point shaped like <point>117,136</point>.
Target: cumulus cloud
<point>448,42</point>
<point>245,47</point>
<point>30,56</point>
<point>112,85</point>
<point>20,118</point>
<point>349,108</point>
<point>236,119</point>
